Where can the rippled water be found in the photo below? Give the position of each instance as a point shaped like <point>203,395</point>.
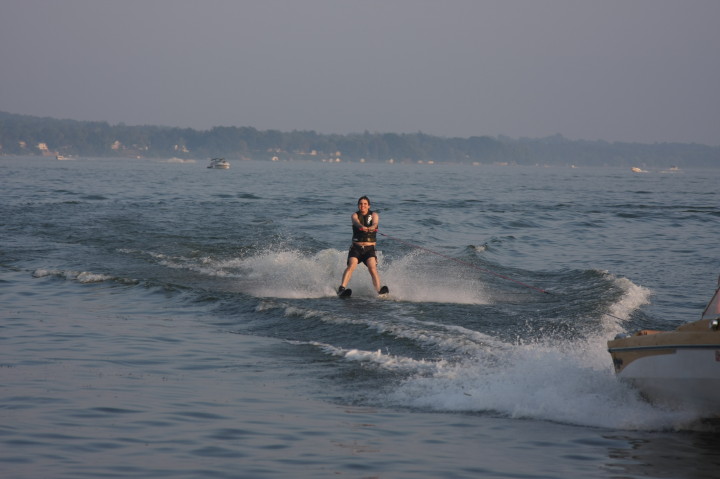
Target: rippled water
<point>162,319</point>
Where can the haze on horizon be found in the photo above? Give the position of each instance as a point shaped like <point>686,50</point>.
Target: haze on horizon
<point>636,71</point>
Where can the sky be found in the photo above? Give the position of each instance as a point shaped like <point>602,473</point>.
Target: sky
<point>642,71</point>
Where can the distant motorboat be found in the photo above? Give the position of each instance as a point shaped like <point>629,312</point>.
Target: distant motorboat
<point>61,157</point>
<point>635,169</point>
<point>679,368</point>
<point>219,163</point>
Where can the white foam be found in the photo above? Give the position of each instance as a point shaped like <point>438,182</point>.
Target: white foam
<point>88,277</point>
<point>384,360</point>
<point>633,297</point>
<point>412,278</point>
<point>79,276</point>
<point>287,273</point>
<point>539,382</point>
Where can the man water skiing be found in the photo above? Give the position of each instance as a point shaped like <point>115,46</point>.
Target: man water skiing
<point>364,225</point>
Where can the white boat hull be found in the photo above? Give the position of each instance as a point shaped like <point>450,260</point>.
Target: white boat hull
<point>219,164</point>
<point>684,379</point>
<point>678,368</point>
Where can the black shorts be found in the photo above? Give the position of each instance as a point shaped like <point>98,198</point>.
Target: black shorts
<point>362,253</point>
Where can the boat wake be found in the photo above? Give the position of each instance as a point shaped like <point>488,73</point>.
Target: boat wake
<point>449,340</point>
<point>541,377</point>
<point>566,383</point>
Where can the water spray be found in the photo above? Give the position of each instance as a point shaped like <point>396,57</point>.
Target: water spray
<point>465,263</point>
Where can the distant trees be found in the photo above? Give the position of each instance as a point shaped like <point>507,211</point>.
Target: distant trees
<point>21,135</point>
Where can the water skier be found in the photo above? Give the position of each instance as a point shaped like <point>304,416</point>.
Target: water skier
<point>365,225</point>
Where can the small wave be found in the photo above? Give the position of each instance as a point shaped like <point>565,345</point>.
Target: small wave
<point>385,361</point>
<point>178,160</point>
<point>478,248</point>
<point>523,224</point>
<point>633,296</point>
<point>84,277</point>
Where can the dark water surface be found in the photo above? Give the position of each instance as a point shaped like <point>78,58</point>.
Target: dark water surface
<point>162,319</point>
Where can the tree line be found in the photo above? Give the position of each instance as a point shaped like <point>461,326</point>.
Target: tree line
<point>30,135</point>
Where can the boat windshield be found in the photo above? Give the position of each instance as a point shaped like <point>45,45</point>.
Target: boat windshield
<point>712,311</point>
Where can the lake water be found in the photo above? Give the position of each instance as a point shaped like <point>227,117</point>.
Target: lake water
<point>163,319</point>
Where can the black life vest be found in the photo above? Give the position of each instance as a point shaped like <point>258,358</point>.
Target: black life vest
<point>364,236</point>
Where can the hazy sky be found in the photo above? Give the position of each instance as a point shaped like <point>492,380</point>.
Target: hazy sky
<point>617,70</point>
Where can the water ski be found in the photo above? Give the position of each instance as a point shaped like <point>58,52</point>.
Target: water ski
<point>384,290</point>
<point>344,292</point>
